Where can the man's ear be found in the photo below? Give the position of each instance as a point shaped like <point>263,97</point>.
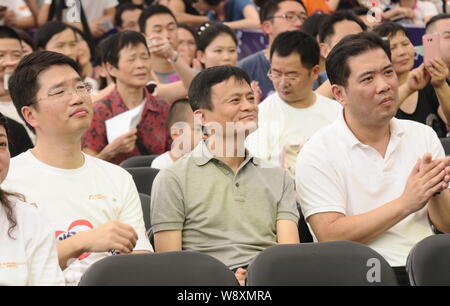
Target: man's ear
<point>266,27</point>
<point>112,71</point>
<point>199,117</point>
<point>339,94</point>
<point>324,50</point>
<point>315,71</point>
<point>29,114</point>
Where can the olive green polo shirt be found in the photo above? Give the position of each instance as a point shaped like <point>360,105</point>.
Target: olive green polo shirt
<point>230,216</point>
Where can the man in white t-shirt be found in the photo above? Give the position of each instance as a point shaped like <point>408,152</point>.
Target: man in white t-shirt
<point>289,117</point>
<point>92,205</point>
<point>11,53</point>
<point>183,131</point>
<point>370,177</point>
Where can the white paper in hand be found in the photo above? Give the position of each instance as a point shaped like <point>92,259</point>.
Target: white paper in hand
<point>123,123</point>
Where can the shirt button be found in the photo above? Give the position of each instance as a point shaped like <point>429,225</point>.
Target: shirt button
<point>237,184</point>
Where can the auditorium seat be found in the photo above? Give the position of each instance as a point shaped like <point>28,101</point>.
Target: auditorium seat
<point>428,262</point>
<point>138,161</point>
<point>337,263</point>
<point>182,268</point>
<point>143,178</point>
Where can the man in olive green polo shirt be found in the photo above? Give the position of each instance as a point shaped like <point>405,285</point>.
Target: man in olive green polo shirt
<point>219,200</point>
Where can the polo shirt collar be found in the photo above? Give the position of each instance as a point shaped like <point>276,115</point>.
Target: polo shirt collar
<point>202,155</point>
<point>397,130</point>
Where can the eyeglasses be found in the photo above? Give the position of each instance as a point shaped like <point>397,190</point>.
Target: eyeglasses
<point>291,17</point>
<point>279,76</point>
<point>82,90</point>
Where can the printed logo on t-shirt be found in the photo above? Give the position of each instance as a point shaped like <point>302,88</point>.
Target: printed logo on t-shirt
<point>11,265</point>
<point>74,228</point>
<point>100,197</point>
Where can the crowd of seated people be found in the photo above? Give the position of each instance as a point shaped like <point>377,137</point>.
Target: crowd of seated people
<point>335,122</point>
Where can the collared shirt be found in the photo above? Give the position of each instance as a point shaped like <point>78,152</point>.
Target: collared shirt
<point>152,133</point>
<point>337,173</point>
<point>230,216</point>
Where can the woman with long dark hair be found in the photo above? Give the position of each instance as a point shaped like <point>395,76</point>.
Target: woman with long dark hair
<point>27,246</point>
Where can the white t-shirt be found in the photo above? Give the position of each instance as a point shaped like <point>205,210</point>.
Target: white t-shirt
<point>78,200</point>
<point>9,110</point>
<point>162,161</point>
<point>337,173</point>
<point>284,129</point>
<point>30,258</point>
<point>19,7</point>
<point>422,10</point>
<point>92,8</point>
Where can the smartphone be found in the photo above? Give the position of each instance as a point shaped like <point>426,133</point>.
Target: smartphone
<point>431,47</point>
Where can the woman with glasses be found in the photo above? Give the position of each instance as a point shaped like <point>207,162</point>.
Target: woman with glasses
<point>28,249</point>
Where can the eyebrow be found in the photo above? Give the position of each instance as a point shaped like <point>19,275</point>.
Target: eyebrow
<point>77,79</point>
<point>288,72</point>
<point>364,74</point>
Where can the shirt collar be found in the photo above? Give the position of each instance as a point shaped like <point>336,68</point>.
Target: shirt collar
<point>202,155</point>
<point>151,103</point>
<point>397,130</point>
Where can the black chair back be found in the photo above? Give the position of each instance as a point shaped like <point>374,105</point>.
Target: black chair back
<point>337,263</point>
<point>138,161</point>
<point>159,269</point>
<point>428,262</point>
<point>143,178</point>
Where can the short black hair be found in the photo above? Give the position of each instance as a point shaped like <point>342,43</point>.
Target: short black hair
<point>100,51</point>
<point>336,64</point>
<point>122,9</point>
<point>7,32</point>
<point>213,2</point>
<point>327,26</point>
<point>312,24</point>
<point>270,7</point>
<point>178,112</point>
<point>360,10</point>
<point>47,31</point>
<point>27,73</point>
<point>434,19</point>
<point>200,90</point>
<point>389,29</point>
<point>119,41</point>
<point>190,30</point>
<point>301,43</point>
<point>209,31</point>
<point>25,37</point>
<point>151,11</point>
